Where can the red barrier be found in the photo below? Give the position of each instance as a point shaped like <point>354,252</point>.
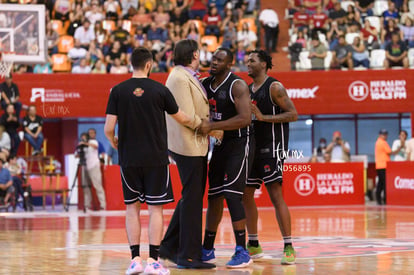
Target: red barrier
<point>319,92</point>
<point>323,184</point>
<point>400,183</point>
<point>314,184</point>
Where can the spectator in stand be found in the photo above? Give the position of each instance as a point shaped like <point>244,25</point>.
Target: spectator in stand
<point>329,5</point>
<point>6,183</point>
<point>327,158</point>
<point>94,53</point>
<point>410,149</point>
<point>62,9</point>
<point>85,34</point>
<point>95,14</point>
<point>111,8</point>
<point>142,18</point>
<point>131,12</point>
<point>44,68</point>
<point>114,53</point>
<point>157,35</point>
<point>339,16</point>
<point>75,21</point>
<point>127,7</point>
<point>165,56</point>
<point>342,55</point>
<point>52,38</point>
<point>205,57</point>
<point>408,32</point>
<point>320,151</point>
<point>167,4</point>
<point>101,148</point>
<point>100,34</point>
<point>318,22</point>
<point>99,67</point>
<point>301,20</point>
<point>360,56</point>
<point>402,153</point>
<point>270,22</point>
<point>15,171</point>
<point>370,36</point>
<point>382,155</point>
<point>388,31</point>
<point>193,33</point>
<point>301,39</point>
<point>198,8</point>
<point>219,4</point>
<point>352,18</point>
<point>5,143</point>
<point>405,13</point>
<point>317,54</point>
<point>77,53</point>
<point>311,5</point>
<point>11,123</point>
<point>82,67</point>
<point>32,125</point>
<point>229,36</point>
<point>390,14</point>
<point>333,35</point>
<point>140,36</point>
<point>118,68</point>
<point>365,8</point>
<point>10,94</point>
<point>121,35</point>
<point>161,18</point>
<point>339,149</point>
<point>212,23</point>
<point>396,53</point>
<point>240,55</point>
<point>149,5</point>
<point>248,37</point>
<point>178,17</point>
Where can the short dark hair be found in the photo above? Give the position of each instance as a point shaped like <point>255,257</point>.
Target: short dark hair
<point>229,53</point>
<point>264,57</point>
<point>184,50</point>
<point>140,56</point>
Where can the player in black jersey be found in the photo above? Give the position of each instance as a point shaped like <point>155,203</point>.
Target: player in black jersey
<point>273,110</point>
<point>139,105</point>
<point>230,111</point>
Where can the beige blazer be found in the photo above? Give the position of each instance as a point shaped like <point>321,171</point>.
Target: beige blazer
<point>193,101</point>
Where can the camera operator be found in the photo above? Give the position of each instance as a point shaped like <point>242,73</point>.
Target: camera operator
<point>339,149</point>
<point>87,151</point>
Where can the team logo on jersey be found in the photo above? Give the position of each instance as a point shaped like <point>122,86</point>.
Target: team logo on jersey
<point>266,168</point>
<point>138,92</point>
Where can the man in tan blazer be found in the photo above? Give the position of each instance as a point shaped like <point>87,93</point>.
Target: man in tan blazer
<point>182,241</point>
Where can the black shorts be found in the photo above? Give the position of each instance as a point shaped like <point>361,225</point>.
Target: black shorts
<point>147,184</point>
<point>265,171</point>
<point>229,167</point>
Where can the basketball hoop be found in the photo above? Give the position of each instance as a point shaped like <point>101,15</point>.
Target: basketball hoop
<point>6,63</point>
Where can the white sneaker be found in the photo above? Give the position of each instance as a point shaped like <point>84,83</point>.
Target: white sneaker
<point>154,267</point>
<point>135,267</point>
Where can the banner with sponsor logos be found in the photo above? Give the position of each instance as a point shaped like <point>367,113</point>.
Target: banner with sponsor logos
<point>323,183</point>
<point>319,92</point>
<point>400,183</point>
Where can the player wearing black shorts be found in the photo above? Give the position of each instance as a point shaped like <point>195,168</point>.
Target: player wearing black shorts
<point>139,105</point>
<point>273,110</point>
<point>230,111</point>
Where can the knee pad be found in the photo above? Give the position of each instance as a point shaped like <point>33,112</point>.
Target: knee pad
<point>235,206</point>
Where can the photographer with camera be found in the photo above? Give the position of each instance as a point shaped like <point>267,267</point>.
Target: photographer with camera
<point>87,151</point>
<point>339,149</point>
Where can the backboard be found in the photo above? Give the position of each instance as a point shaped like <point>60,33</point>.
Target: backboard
<point>22,31</point>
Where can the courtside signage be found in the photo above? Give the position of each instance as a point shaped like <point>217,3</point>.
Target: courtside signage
<point>378,90</point>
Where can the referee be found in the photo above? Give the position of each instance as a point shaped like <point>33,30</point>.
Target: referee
<point>139,105</point>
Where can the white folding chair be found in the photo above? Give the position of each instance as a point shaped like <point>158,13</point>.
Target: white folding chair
<point>377,59</point>
<point>380,6</point>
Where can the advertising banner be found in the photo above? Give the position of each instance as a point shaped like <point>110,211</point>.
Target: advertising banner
<point>400,183</point>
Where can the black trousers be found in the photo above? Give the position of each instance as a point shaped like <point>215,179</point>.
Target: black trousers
<point>271,37</point>
<point>184,234</point>
<point>381,186</point>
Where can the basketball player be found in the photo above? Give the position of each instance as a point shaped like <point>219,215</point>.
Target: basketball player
<point>230,111</point>
<point>139,105</point>
<point>273,111</point>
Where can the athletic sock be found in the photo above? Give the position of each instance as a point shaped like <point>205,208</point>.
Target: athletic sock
<point>134,251</point>
<point>209,238</point>
<point>240,237</point>
<point>253,240</point>
<point>154,251</point>
<point>287,240</point>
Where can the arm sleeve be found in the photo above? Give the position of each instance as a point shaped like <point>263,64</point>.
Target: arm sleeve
<point>17,90</point>
<point>395,145</point>
<point>170,105</point>
<point>40,120</point>
<point>112,106</point>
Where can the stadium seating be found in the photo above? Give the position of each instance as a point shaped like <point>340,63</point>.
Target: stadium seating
<point>375,21</point>
<point>349,37</point>
<point>411,57</point>
<point>328,59</point>
<point>380,6</point>
<point>250,21</point>
<point>57,26</point>
<point>411,6</point>
<point>61,63</point>
<point>108,25</point>
<point>211,42</point>
<point>198,24</point>
<point>377,59</point>
<point>345,4</point>
<point>304,61</point>
<point>65,43</point>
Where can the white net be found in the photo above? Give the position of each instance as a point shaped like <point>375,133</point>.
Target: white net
<point>6,64</point>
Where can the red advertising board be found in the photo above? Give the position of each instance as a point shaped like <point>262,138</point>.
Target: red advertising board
<point>400,183</point>
<point>323,184</point>
<point>318,92</point>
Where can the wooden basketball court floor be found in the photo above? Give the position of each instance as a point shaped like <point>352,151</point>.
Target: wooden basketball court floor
<point>328,240</point>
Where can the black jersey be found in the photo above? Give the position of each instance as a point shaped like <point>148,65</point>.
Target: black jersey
<point>140,105</point>
<point>271,138</point>
<point>222,103</point>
